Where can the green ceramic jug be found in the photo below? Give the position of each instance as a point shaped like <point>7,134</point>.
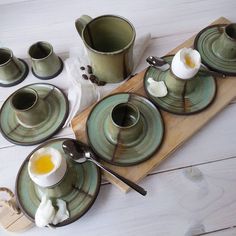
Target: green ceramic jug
<point>109,40</point>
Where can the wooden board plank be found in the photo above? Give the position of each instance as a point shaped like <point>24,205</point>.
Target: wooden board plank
<point>178,129</point>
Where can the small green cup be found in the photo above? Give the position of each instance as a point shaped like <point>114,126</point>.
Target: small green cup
<point>45,63</point>
<point>109,41</point>
<point>12,69</point>
<point>225,46</point>
<point>123,125</point>
<point>30,109</point>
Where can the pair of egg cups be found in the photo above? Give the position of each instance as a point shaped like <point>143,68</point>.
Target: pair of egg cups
<point>45,64</point>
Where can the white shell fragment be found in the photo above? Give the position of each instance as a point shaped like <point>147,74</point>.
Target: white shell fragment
<point>186,63</point>
<point>62,213</point>
<point>46,213</point>
<point>156,88</point>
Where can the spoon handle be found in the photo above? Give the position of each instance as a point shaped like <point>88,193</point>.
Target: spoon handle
<point>131,184</point>
<point>212,73</point>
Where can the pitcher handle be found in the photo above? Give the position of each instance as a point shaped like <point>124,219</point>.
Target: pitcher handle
<point>81,22</point>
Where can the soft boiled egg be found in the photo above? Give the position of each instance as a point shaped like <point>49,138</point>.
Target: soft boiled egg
<point>186,63</point>
<point>47,167</point>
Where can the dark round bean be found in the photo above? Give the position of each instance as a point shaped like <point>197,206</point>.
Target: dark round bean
<point>93,78</point>
<point>90,70</point>
<point>84,76</point>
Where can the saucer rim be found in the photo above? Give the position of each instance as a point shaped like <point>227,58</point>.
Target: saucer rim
<point>136,162</point>
<point>46,137</point>
<point>63,223</point>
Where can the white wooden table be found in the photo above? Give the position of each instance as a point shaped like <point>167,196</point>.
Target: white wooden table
<point>193,192</point>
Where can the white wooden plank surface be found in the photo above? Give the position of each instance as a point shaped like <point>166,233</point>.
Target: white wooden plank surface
<point>177,204</point>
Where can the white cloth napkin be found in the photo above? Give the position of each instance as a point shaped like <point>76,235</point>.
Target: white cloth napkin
<point>82,93</point>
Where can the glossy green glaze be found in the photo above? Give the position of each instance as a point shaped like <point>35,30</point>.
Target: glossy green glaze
<point>134,147</point>
<point>57,105</point>
<point>217,46</point>
<point>45,63</point>
<point>109,41</point>
<point>184,96</point>
<point>79,187</point>
<point>12,69</point>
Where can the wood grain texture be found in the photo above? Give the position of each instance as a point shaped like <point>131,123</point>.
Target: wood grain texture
<point>178,129</point>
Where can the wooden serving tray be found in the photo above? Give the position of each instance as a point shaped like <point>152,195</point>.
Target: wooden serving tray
<point>178,128</point>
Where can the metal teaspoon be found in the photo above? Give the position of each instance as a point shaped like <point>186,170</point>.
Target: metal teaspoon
<point>80,153</point>
<point>160,64</point>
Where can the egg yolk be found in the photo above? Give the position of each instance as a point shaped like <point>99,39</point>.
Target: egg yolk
<point>188,61</point>
<point>43,164</point>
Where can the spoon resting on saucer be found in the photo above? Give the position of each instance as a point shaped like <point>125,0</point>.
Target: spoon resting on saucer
<point>161,64</point>
<point>80,153</point>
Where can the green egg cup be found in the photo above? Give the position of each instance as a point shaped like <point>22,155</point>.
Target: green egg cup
<point>216,49</point>
<point>83,179</point>
<point>184,97</point>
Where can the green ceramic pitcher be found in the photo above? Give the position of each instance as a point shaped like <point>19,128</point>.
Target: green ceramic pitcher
<point>109,40</point>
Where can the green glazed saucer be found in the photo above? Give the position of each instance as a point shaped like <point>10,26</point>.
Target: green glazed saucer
<point>203,43</point>
<point>119,154</point>
<point>24,72</point>
<point>190,102</point>
<point>13,131</point>
<point>86,178</point>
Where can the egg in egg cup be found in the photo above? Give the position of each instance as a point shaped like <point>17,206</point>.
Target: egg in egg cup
<point>189,90</point>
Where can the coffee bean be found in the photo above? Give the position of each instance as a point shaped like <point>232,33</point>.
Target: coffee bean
<point>93,78</point>
<point>82,68</point>
<point>84,76</point>
<point>101,83</point>
<point>90,70</point>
